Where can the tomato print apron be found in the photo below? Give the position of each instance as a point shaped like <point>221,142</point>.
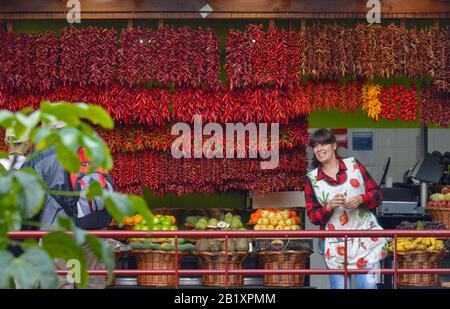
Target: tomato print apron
<point>361,251</point>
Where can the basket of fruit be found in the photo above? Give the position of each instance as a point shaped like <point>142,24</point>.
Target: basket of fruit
<point>275,219</point>
<point>156,256</point>
<point>439,206</point>
<point>176,213</point>
<point>294,259</point>
<point>200,223</point>
<point>419,253</point>
<point>211,255</point>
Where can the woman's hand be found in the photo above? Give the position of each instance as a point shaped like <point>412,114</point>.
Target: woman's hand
<point>353,202</point>
<point>336,201</point>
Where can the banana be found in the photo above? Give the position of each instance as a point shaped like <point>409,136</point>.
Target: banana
<point>433,241</point>
<point>418,240</point>
<point>431,248</point>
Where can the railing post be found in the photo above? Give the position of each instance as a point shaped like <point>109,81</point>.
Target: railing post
<point>345,263</point>
<point>177,277</point>
<point>226,261</point>
<point>395,262</point>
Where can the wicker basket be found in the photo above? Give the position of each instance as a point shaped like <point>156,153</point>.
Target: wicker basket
<point>156,260</point>
<point>284,260</point>
<point>419,259</point>
<point>216,260</point>
<point>440,214</point>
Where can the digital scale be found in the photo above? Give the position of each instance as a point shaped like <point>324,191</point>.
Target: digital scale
<point>400,208</point>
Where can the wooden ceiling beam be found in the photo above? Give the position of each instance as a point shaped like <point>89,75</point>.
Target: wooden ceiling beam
<point>219,15</point>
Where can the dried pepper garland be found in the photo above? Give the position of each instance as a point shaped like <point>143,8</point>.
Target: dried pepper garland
<point>28,64</point>
<point>442,76</point>
<point>88,57</point>
<point>434,107</point>
<point>184,56</point>
<point>371,103</point>
<point>125,139</point>
<point>255,57</point>
<point>162,173</point>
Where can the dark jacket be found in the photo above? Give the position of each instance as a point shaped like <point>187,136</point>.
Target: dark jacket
<point>55,177</point>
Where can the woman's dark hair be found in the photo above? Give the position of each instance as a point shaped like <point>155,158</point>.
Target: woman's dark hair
<point>321,137</point>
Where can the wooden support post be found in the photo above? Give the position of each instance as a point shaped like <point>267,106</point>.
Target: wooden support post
<point>303,25</point>
<point>271,23</point>
<point>9,25</point>
<point>290,25</point>
<point>129,24</point>
<point>402,23</point>
<point>160,23</point>
<point>436,24</point>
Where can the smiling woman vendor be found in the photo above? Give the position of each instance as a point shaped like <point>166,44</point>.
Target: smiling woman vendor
<point>339,193</point>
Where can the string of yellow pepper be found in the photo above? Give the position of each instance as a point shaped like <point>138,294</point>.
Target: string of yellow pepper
<point>371,104</point>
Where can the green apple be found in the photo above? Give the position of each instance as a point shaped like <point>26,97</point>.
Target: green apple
<point>173,228</point>
<point>166,222</point>
<point>156,220</point>
<point>157,227</point>
<point>165,228</point>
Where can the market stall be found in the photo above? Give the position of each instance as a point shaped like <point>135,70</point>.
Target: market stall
<point>286,72</point>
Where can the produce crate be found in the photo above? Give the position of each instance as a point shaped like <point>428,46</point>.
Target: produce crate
<point>284,260</point>
<point>216,260</point>
<point>282,244</point>
<point>157,260</point>
<point>419,259</point>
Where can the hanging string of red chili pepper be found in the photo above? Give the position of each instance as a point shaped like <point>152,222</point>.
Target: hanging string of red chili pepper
<point>162,173</point>
<point>125,139</point>
<point>88,57</point>
<point>434,107</point>
<point>183,57</point>
<point>255,57</point>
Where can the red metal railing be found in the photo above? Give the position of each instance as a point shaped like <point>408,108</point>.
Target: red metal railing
<point>260,234</point>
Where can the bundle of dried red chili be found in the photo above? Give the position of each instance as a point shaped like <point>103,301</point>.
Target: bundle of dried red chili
<point>88,57</point>
<point>256,57</point>
<point>434,107</point>
<point>183,57</point>
<point>162,173</point>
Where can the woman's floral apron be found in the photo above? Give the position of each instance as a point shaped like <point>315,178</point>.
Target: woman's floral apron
<point>361,251</point>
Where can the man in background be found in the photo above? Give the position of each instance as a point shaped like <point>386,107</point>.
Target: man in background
<point>18,147</point>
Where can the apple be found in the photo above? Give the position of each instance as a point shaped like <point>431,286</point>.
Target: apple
<point>447,196</point>
<point>445,190</point>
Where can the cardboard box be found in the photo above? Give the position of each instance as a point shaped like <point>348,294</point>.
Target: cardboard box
<point>283,244</point>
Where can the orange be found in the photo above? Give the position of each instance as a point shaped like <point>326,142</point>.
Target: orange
<point>172,219</point>
<point>138,219</point>
<point>128,220</point>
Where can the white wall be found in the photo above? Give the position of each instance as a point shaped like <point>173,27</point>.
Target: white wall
<point>402,145</point>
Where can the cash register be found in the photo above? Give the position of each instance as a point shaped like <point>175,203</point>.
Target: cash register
<point>404,198</point>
